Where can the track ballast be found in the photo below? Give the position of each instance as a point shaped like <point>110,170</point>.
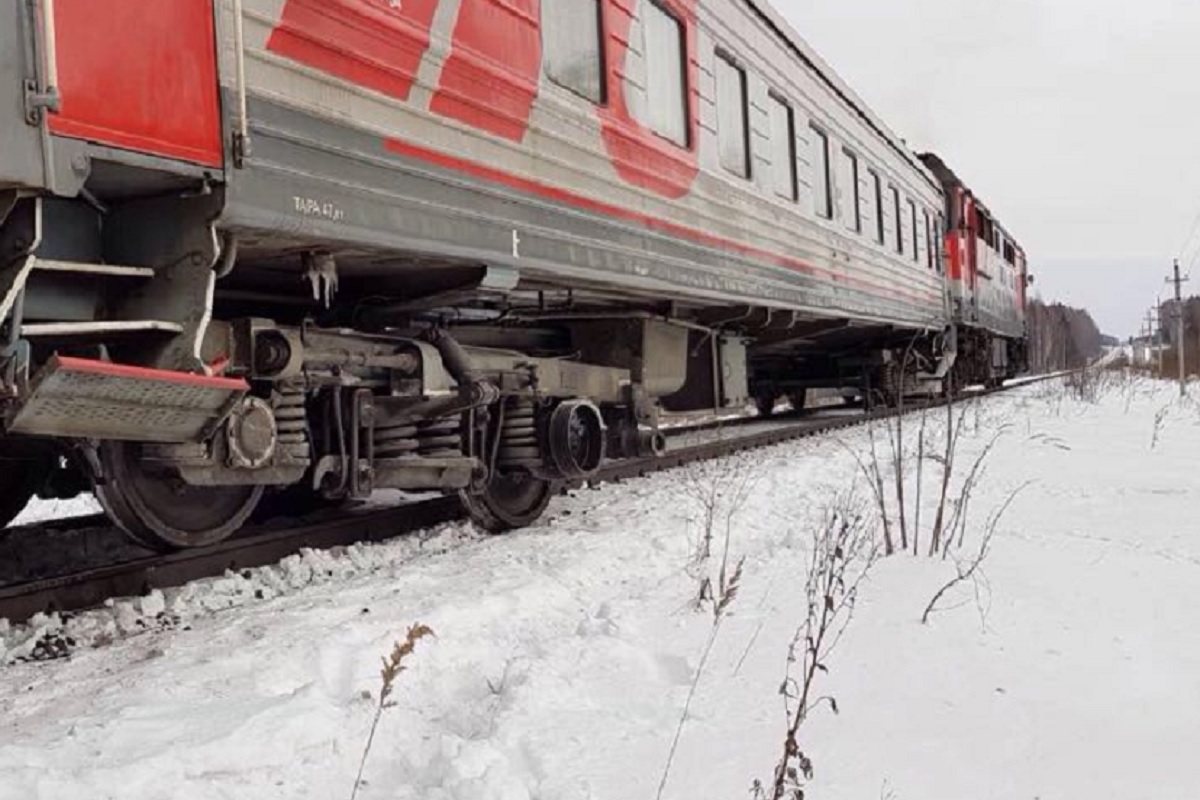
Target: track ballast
<point>142,571</point>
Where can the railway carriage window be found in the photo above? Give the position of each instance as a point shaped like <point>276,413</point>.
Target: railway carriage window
<point>852,196</point>
<point>822,182</point>
<point>573,46</point>
<point>899,212</point>
<point>663,49</point>
<point>940,232</point>
<point>930,242</point>
<point>732,117</point>
<point>880,226</point>
<point>916,239</point>
<point>783,147</point>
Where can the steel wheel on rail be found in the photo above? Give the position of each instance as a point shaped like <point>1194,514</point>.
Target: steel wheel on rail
<point>162,512</point>
<point>509,502</point>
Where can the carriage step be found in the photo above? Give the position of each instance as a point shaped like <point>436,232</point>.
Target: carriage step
<point>34,330</point>
<point>82,398</point>
<point>80,267</point>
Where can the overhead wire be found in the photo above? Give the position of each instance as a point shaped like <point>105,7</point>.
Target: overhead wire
<point>1190,239</point>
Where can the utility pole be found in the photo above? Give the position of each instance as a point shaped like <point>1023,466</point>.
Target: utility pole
<point>1149,338</point>
<point>1158,340</point>
<point>1178,281</point>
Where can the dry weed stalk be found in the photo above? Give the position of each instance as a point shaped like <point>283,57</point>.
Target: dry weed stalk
<point>953,436</point>
<point>972,569</point>
<point>872,471</point>
<point>958,484</point>
<point>896,439</point>
<point>728,592</point>
<point>957,527</point>
<point>393,665</point>
<point>916,544</point>
<point>721,490</point>
<point>1160,418</point>
<point>843,551</point>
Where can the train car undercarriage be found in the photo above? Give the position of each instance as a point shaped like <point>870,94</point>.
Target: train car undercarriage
<point>151,358</point>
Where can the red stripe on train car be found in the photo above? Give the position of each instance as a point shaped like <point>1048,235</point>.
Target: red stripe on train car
<point>567,197</point>
<point>954,249</point>
<point>377,46</point>
<point>490,79</point>
<point>639,155</point>
<point>140,76</point>
<point>111,370</point>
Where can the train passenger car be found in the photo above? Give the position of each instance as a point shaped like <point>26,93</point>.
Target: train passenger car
<point>305,249</point>
<point>988,279</point>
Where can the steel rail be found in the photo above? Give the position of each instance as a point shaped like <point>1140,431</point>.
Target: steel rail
<point>258,547</point>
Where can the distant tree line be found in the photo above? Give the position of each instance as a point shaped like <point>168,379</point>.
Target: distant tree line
<point>1061,337</point>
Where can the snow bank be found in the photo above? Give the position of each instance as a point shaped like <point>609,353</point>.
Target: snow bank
<point>564,653</point>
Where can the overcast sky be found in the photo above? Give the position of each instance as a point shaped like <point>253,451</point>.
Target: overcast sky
<point>1076,121</point>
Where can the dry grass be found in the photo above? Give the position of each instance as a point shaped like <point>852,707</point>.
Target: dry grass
<point>393,665</point>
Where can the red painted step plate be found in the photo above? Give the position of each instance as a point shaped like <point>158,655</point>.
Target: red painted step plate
<point>81,398</point>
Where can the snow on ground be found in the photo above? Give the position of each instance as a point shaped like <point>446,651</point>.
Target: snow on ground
<point>564,653</point>
<point>40,510</point>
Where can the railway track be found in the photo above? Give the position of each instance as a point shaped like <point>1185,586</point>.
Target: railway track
<point>129,571</point>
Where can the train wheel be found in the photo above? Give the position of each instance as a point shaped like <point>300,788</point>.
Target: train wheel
<point>161,511</point>
<point>798,398</point>
<point>508,502</point>
<point>19,482</point>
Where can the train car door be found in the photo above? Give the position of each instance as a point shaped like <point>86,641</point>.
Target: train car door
<point>140,75</point>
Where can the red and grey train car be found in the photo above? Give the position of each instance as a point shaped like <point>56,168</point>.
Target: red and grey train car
<point>265,251</point>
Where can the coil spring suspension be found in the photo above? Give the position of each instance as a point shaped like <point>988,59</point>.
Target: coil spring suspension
<point>440,438</point>
<point>519,446</point>
<point>437,438</point>
<point>291,422</point>
<point>395,442</point>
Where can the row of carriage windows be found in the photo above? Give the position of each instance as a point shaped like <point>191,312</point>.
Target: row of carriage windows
<point>574,59</point>
<point>908,223</point>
